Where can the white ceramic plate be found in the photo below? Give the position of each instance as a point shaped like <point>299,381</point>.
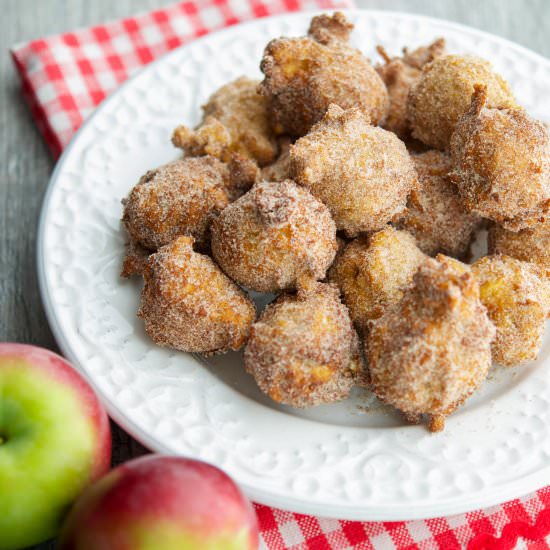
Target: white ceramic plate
<point>345,460</point>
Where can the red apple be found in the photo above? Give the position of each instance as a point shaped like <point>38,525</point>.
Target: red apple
<point>54,441</point>
<point>162,503</point>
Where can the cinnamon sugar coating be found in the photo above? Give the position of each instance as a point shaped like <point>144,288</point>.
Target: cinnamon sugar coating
<point>435,214</point>
<point>373,271</point>
<point>274,235</point>
<point>178,198</point>
<point>400,74</point>
<point>235,118</point>
<point>432,350</point>
<point>304,351</point>
<point>517,297</point>
<point>529,245</point>
<point>303,76</point>
<point>188,304</point>
<point>280,169</point>
<point>361,172</point>
<point>501,160</point>
<point>443,92</point>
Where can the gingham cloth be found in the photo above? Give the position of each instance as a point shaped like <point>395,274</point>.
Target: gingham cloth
<point>65,77</point>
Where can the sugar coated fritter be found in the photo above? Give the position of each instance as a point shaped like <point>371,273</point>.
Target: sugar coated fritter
<point>529,245</point>
<point>178,198</point>
<point>363,173</point>
<point>435,214</point>
<point>373,271</point>
<point>432,350</point>
<point>304,351</point>
<point>235,118</point>
<point>187,302</point>
<point>303,76</point>
<point>517,297</point>
<point>400,74</point>
<point>273,235</point>
<point>443,93</point>
<point>501,164</point>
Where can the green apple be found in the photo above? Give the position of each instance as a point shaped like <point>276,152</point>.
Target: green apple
<point>54,441</point>
<point>162,503</point>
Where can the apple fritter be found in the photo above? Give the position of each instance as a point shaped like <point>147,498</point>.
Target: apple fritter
<point>187,303</point>
<point>501,164</point>
<point>304,351</point>
<point>235,120</point>
<point>273,235</point>
<point>432,350</point>
<point>303,76</point>
<point>361,172</point>
<point>443,93</point>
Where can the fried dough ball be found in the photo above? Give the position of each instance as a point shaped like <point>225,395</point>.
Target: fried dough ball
<point>272,236</point>
<point>304,351</point>
<point>236,117</point>
<point>443,93</point>
<point>529,245</point>
<point>435,214</point>
<point>501,160</point>
<point>361,172</point>
<point>373,271</point>
<point>432,350</point>
<point>517,297</point>
<point>280,169</point>
<point>188,304</point>
<point>400,74</point>
<point>178,198</point>
<point>303,76</point>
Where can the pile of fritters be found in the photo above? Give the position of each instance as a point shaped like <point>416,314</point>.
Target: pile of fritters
<point>353,193</point>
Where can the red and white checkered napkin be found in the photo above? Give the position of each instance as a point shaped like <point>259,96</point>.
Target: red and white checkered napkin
<point>65,77</point>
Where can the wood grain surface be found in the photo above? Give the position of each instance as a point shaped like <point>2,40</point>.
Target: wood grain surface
<point>25,163</point>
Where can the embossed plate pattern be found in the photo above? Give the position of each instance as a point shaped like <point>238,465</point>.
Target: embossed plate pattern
<point>353,460</point>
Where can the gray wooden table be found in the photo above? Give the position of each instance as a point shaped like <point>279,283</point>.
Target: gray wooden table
<point>25,163</point>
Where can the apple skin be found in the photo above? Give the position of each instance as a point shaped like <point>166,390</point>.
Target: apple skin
<point>162,503</point>
<point>54,441</point>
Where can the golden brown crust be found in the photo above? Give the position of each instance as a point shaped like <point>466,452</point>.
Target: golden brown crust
<point>135,260</point>
<point>443,92</point>
<point>372,273</point>
<point>432,350</point>
<point>304,351</point>
<point>303,76</point>
<point>235,120</point>
<point>501,160</point>
<point>361,172</point>
<point>274,234</point>
<point>517,297</point>
<point>188,304</point>
<point>178,198</point>
<point>400,74</point>
<point>529,245</point>
<point>435,214</point>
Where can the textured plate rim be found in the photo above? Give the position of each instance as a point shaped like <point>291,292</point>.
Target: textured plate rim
<point>508,491</point>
